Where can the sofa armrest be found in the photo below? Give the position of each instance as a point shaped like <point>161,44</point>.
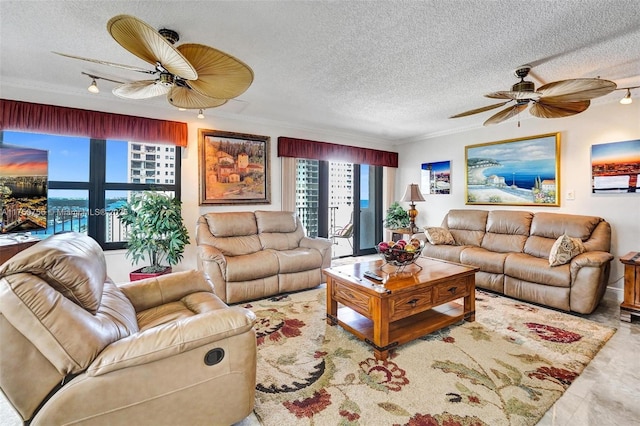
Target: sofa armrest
<point>151,292</point>
<point>210,253</point>
<point>595,259</point>
<point>590,259</point>
<point>323,245</point>
<point>172,338</point>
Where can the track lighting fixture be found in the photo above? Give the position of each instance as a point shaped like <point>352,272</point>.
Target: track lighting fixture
<point>94,87</point>
<point>627,98</point>
<point>200,114</point>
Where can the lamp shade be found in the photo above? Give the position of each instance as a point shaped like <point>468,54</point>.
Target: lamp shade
<point>413,194</point>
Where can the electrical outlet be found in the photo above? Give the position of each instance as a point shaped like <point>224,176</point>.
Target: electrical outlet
<point>571,194</point>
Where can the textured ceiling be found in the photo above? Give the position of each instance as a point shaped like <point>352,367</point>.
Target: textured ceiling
<point>380,70</point>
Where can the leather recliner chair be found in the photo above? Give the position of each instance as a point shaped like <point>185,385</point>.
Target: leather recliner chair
<point>78,349</point>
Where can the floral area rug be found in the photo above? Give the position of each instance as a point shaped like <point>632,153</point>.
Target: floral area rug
<point>506,368</point>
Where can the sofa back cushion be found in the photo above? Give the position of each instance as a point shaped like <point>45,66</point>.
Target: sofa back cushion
<point>232,224</point>
<point>507,231</point>
<point>48,293</point>
<point>466,226</point>
<point>275,221</point>
<point>279,230</point>
<point>233,233</point>
<point>546,228</point>
<point>554,225</point>
<point>71,263</point>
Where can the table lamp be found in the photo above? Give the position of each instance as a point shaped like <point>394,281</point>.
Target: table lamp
<point>413,194</point>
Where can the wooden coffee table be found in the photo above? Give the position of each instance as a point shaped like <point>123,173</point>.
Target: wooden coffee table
<point>405,306</point>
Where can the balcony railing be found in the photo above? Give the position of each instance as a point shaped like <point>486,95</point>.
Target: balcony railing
<point>66,220</point>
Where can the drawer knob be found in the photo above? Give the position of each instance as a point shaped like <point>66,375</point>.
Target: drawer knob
<point>452,290</point>
<point>413,302</point>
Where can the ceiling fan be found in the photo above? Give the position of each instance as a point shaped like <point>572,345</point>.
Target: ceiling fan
<point>553,100</point>
<point>192,76</point>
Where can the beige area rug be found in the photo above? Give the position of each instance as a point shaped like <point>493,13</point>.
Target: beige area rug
<point>506,368</point>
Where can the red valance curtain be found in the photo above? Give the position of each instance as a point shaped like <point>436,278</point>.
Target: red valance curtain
<point>302,148</point>
<point>26,116</point>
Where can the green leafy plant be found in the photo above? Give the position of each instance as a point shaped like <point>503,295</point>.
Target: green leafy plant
<point>155,230</point>
<point>397,217</point>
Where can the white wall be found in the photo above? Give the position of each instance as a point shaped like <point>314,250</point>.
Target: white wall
<point>611,122</point>
<point>119,267</point>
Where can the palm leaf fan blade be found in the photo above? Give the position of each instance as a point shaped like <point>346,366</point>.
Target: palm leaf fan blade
<point>149,45</point>
<point>513,95</point>
<point>545,109</point>
<point>479,110</point>
<point>142,89</point>
<point>184,97</point>
<point>220,75</point>
<point>505,114</point>
<point>575,90</point>
<point>110,64</point>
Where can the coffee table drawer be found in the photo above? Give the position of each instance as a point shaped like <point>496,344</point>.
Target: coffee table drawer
<point>359,302</point>
<point>403,306</point>
<point>450,291</point>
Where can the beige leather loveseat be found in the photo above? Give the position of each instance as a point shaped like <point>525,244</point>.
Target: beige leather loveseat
<point>251,255</point>
<point>78,349</point>
<point>514,251</point>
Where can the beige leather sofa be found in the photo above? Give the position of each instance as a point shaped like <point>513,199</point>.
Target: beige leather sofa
<point>512,250</point>
<point>78,349</point>
<point>251,255</point>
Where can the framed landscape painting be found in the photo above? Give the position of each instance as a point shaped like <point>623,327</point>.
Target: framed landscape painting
<point>515,172</point>
<point>615,167</point>
<point>233,168</point>
<point>436,177</point>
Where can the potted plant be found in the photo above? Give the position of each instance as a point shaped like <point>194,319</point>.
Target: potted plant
<point>397,217</point>
<point>155,232</point>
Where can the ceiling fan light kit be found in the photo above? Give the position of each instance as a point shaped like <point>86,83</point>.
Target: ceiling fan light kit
<point>191,76</point>
<point>553,100</point>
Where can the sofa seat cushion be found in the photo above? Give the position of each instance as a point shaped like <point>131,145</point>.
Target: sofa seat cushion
<point>252,266</point>
<point>486,260</point>
<point>297,260</point>
<point>444,252</point>
<point>536,270</point>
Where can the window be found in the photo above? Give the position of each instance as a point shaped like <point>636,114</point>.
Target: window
<point>90,178</point>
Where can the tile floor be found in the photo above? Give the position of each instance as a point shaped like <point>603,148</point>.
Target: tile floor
<point>607,393</point>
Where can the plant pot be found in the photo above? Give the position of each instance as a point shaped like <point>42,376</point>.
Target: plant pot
<point>139,275</point>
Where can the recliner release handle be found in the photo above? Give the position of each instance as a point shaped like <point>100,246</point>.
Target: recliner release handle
<point>214,356</point>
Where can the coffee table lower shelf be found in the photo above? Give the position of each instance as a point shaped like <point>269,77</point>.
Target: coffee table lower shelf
<point>403,330</point>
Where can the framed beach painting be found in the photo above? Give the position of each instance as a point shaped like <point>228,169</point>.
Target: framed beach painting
<point>615,167</point>
<point>514,172</point>
<point>435,177</point>
<point>233,168</point>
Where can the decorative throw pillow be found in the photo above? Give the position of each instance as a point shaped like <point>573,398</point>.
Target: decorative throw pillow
<point>437,235</point>
<point>564,249</point>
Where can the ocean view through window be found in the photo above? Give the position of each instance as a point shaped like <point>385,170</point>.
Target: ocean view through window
<point>90,179</point>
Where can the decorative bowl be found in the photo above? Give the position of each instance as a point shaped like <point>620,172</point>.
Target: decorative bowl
<point>397,255</point>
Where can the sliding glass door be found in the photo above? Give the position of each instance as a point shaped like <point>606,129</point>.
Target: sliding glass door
<point>341,201</point>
